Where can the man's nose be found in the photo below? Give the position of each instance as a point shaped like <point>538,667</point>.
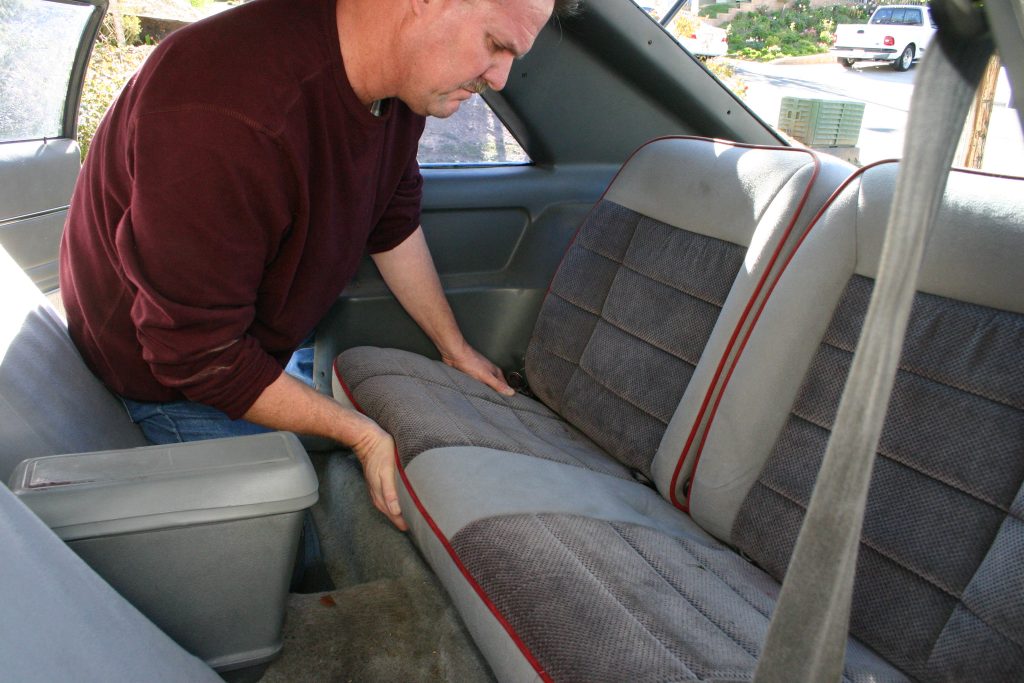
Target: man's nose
<point>497,75</point>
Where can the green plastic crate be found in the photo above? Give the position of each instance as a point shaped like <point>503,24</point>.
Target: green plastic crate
<point>821,123</point>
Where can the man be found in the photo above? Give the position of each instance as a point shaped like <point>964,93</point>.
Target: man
<point>234,185</point>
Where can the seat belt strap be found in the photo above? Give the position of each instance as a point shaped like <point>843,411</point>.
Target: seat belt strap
<point>807,636</point>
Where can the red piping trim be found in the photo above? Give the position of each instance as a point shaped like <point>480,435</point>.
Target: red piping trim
<point>743,345</point>
<point>685,505</point>
<point>481,593</point>
<point>740,145</point>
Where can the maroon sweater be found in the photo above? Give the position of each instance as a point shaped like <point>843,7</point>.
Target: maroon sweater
<point>229,196</point>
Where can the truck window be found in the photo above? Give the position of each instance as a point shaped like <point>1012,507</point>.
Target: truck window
<point>912,17</point>
<point>882,16</point>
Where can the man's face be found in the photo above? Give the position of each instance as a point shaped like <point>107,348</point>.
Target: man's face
<point>467,46</point>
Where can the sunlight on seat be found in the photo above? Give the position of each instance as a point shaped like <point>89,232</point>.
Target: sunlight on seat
<point>21,300</point>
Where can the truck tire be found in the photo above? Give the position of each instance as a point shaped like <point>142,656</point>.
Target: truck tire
<point>905,60</point>
<point>847,63</point>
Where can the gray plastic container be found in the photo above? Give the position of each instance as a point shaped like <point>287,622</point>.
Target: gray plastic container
<point>201,537</point>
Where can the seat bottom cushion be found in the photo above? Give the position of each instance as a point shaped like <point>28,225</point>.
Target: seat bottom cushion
<point>602,580</point>
<point>426,404</point>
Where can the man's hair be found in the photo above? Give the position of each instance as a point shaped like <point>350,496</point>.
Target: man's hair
<point>566,8</point>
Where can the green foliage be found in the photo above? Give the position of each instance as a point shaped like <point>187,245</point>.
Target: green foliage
<point>716,9</point>
<point>797,29</point>
<point>109,70</point>
<point>727,74</point>
<point>130,26</point>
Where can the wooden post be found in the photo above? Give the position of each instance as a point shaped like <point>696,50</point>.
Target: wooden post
<point>971,151</point>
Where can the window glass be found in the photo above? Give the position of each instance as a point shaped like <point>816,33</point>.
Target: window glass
<point>473,135</point>
<point>802,67</point>
<point>38,43</point>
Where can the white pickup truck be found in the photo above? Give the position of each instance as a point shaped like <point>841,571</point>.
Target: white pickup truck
<point>898,34</point>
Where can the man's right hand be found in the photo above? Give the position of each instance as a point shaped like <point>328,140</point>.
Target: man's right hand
<point>290,405</point>
<point>376,453</point>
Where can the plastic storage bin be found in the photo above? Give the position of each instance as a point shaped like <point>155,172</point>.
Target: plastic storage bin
<point>201,537</point>
<point>821,123</point>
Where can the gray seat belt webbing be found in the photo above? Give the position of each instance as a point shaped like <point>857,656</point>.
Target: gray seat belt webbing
<point>807,637</point>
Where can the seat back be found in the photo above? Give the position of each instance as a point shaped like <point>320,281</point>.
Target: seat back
<point>938,580</point>
<point>50,403</point>
<point>680,239</point>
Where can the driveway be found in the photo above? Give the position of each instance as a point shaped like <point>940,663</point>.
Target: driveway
<point>886,95</point>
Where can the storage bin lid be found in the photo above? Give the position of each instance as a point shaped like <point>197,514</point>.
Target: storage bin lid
<point>157,487</point>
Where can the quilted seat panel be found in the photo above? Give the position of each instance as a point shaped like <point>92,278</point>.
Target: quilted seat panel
<point>950,465</point>
<point>442,407</point>
<point>595,600</point>
<point>624,325</point>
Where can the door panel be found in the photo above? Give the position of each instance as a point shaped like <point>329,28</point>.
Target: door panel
<point>44,49</point>
<point>36,181</point>
<point>497,235</point>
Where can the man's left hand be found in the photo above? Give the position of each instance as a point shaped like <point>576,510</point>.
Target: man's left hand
<point>471,362</point>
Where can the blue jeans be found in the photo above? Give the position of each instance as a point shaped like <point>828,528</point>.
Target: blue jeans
<point>178,421</point>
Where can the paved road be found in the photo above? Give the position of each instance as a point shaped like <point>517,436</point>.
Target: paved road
<point>886,94</point>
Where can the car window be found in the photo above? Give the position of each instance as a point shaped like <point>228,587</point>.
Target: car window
<point>781,62</point>
<point>38,44</point>
<point>474,135</point>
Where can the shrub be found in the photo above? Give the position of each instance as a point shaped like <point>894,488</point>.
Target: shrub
<point>131,28</point>
<point>714,10</point>
<point>109,70</point>
<point>794,30</point>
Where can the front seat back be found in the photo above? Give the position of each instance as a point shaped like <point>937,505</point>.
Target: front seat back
<point>50,403</point>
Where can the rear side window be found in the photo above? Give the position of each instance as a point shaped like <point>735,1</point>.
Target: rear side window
<point>473,136</point>
<point>882,16</point>
<point>912,17</point>
<point>38,43</point>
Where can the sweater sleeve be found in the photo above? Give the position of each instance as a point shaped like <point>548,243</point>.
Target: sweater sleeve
<point>210,206</point>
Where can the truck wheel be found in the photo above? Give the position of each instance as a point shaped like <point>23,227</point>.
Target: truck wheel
<point>906,58</point>
<point>848,63</point>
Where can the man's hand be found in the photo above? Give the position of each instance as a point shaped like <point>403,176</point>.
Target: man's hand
<point>376,453</point>
<point>290,405</point>
<point>473,363</point>
<point>409,272</point>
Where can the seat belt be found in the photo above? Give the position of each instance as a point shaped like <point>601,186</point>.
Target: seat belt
<point>807,636</point>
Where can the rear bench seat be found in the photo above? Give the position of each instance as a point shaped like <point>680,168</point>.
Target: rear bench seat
<point>565,567</point>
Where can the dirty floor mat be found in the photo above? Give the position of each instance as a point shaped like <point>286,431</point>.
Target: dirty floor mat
<point>388,619</point>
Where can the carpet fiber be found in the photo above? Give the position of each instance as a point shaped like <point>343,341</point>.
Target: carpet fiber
<point>388,619</point>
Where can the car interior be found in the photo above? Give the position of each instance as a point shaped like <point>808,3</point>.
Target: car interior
<point>678,292</point>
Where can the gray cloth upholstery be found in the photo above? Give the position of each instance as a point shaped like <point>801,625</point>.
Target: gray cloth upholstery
<point>50,403</point>
<point>624,325</point>
<point>561,571</point>
<point>62,622</point>
<point>609,601</point>
<point>442,407</point>
<point>950,466</point>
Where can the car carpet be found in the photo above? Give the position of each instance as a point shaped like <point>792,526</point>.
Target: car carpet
<point>388,618</point>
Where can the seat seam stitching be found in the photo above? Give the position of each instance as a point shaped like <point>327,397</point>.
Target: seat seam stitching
<point>685,292</point>
<point>926,577</point>
<point>922,373</point>
<point>918,469</point>
<point>678,592</point>
<point>608,592</point>
<point>625,400</point>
